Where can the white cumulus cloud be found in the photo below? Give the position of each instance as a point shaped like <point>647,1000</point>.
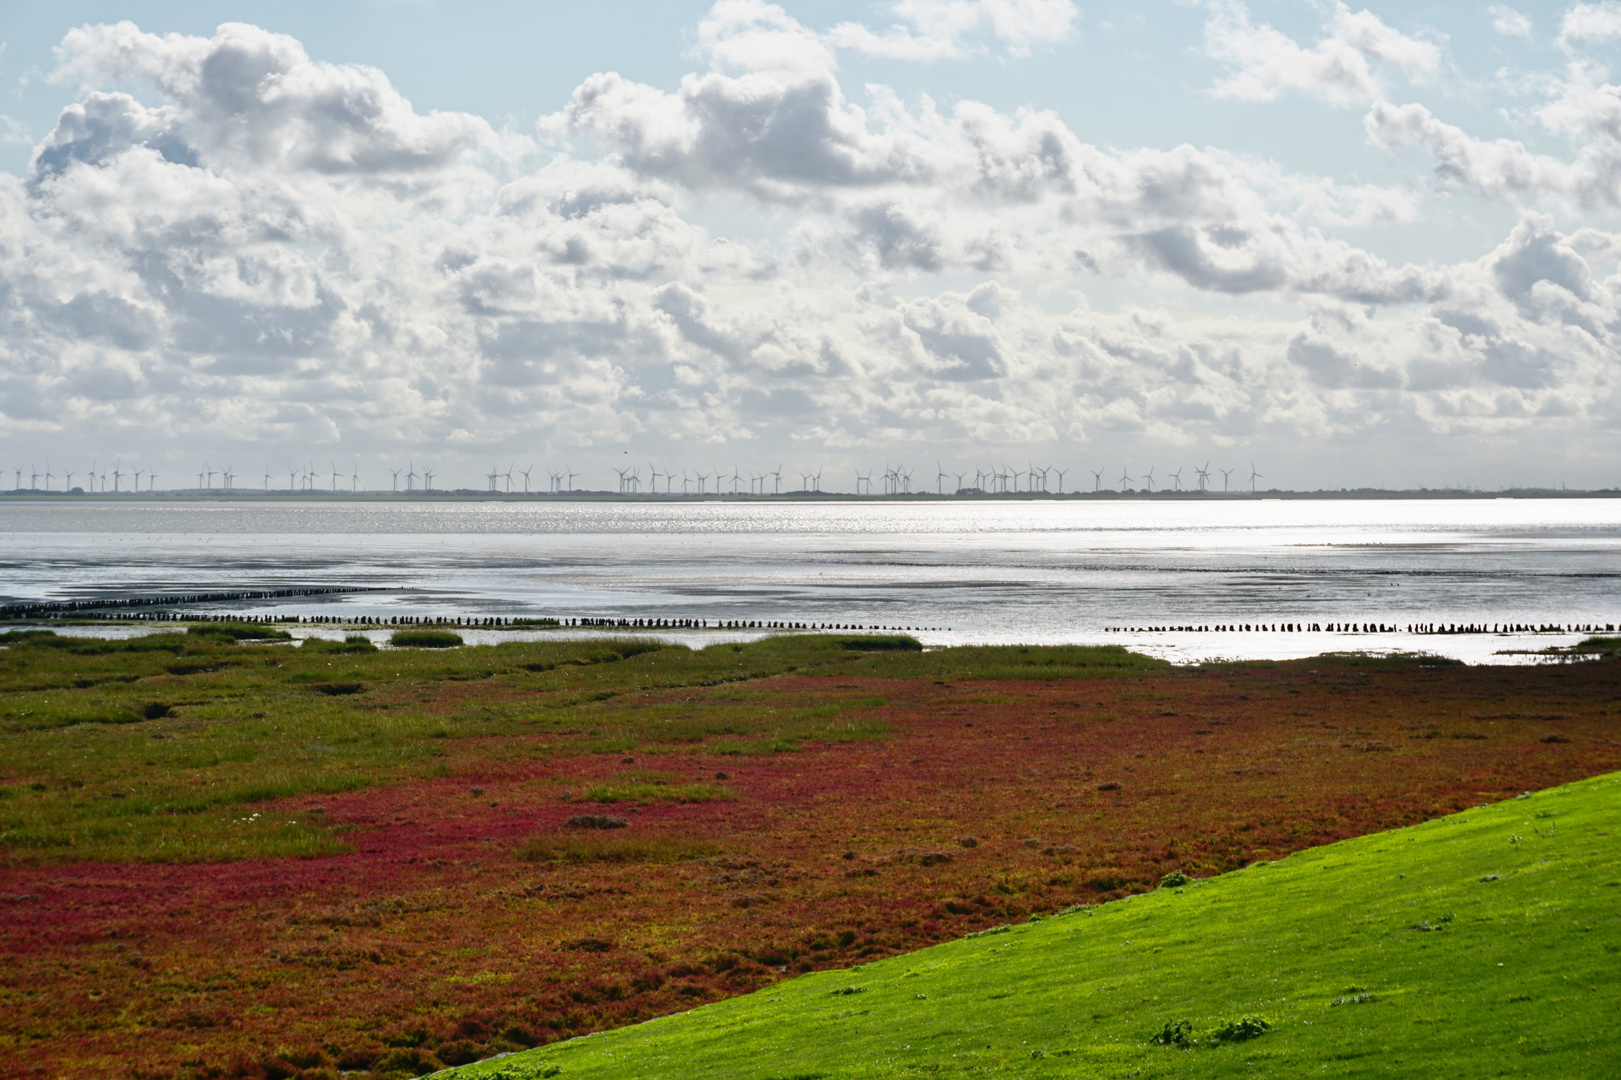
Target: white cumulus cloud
<point>1349,66</point>
<point>1510,23</point>
<point>1590,24</point>
<point>223,242</point>
<point>947,29</point>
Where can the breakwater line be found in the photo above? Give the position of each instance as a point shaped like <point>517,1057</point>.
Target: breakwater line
<point>41,609</point>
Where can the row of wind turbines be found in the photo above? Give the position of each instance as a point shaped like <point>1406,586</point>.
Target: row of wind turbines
<point>891,480</point>
<point>307,478</point>
<point>1202,479</point>
<point>97,479</point>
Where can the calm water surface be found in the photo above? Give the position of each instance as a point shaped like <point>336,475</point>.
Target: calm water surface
<point>1024,572</point>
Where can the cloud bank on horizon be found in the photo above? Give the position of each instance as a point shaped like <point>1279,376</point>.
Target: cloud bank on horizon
<point>227,247</point>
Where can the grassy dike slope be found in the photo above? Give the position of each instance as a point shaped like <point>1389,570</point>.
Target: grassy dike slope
<point>1487,943</point>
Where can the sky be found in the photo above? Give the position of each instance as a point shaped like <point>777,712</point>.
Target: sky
<point>1339,245</point>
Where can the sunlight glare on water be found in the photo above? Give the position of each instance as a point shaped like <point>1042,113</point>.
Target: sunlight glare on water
<point>1030,572</point>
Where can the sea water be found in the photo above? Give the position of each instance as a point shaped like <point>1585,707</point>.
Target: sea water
<point>967,571</point>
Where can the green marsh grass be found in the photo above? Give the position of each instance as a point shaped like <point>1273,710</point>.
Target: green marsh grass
<point>238,632</point>
<point>1010,662</point>
<point>352,643</point>
<point>641,792</point>
<point>425,639</point>
<point>136,748</point>
<point>881,644</point>
<point>613,848</point>
<point>1305,966</point>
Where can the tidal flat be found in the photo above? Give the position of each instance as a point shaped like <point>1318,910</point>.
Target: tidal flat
<point>225,854</point>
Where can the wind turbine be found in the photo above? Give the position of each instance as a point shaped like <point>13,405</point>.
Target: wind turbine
<point>571,475</point>
<point>525,474</point>
<point>396,473</point>
<point>335,475</point>
<point>67,482</point>
<point>1225,473</point>
<point>267,476</point>
<point>776,480</point>
<point>1176,478</point>
<point>411,476</point>
<point>1097,479</point>
<point>18,469</point>
<point>1254,476</point>
<point>1061,473</point>
<point>1124,480</point>
<point>959,477</point>
<point>354,481</point>
<point>117,473</point>
<point>151,481</point>
<point>48,476</point>
<point>427,479</point>
<point>1149,480</point>
<point>138,473</point>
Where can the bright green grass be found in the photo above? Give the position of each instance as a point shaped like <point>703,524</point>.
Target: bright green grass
<point>1518,975</point>
<point>656,793</point>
